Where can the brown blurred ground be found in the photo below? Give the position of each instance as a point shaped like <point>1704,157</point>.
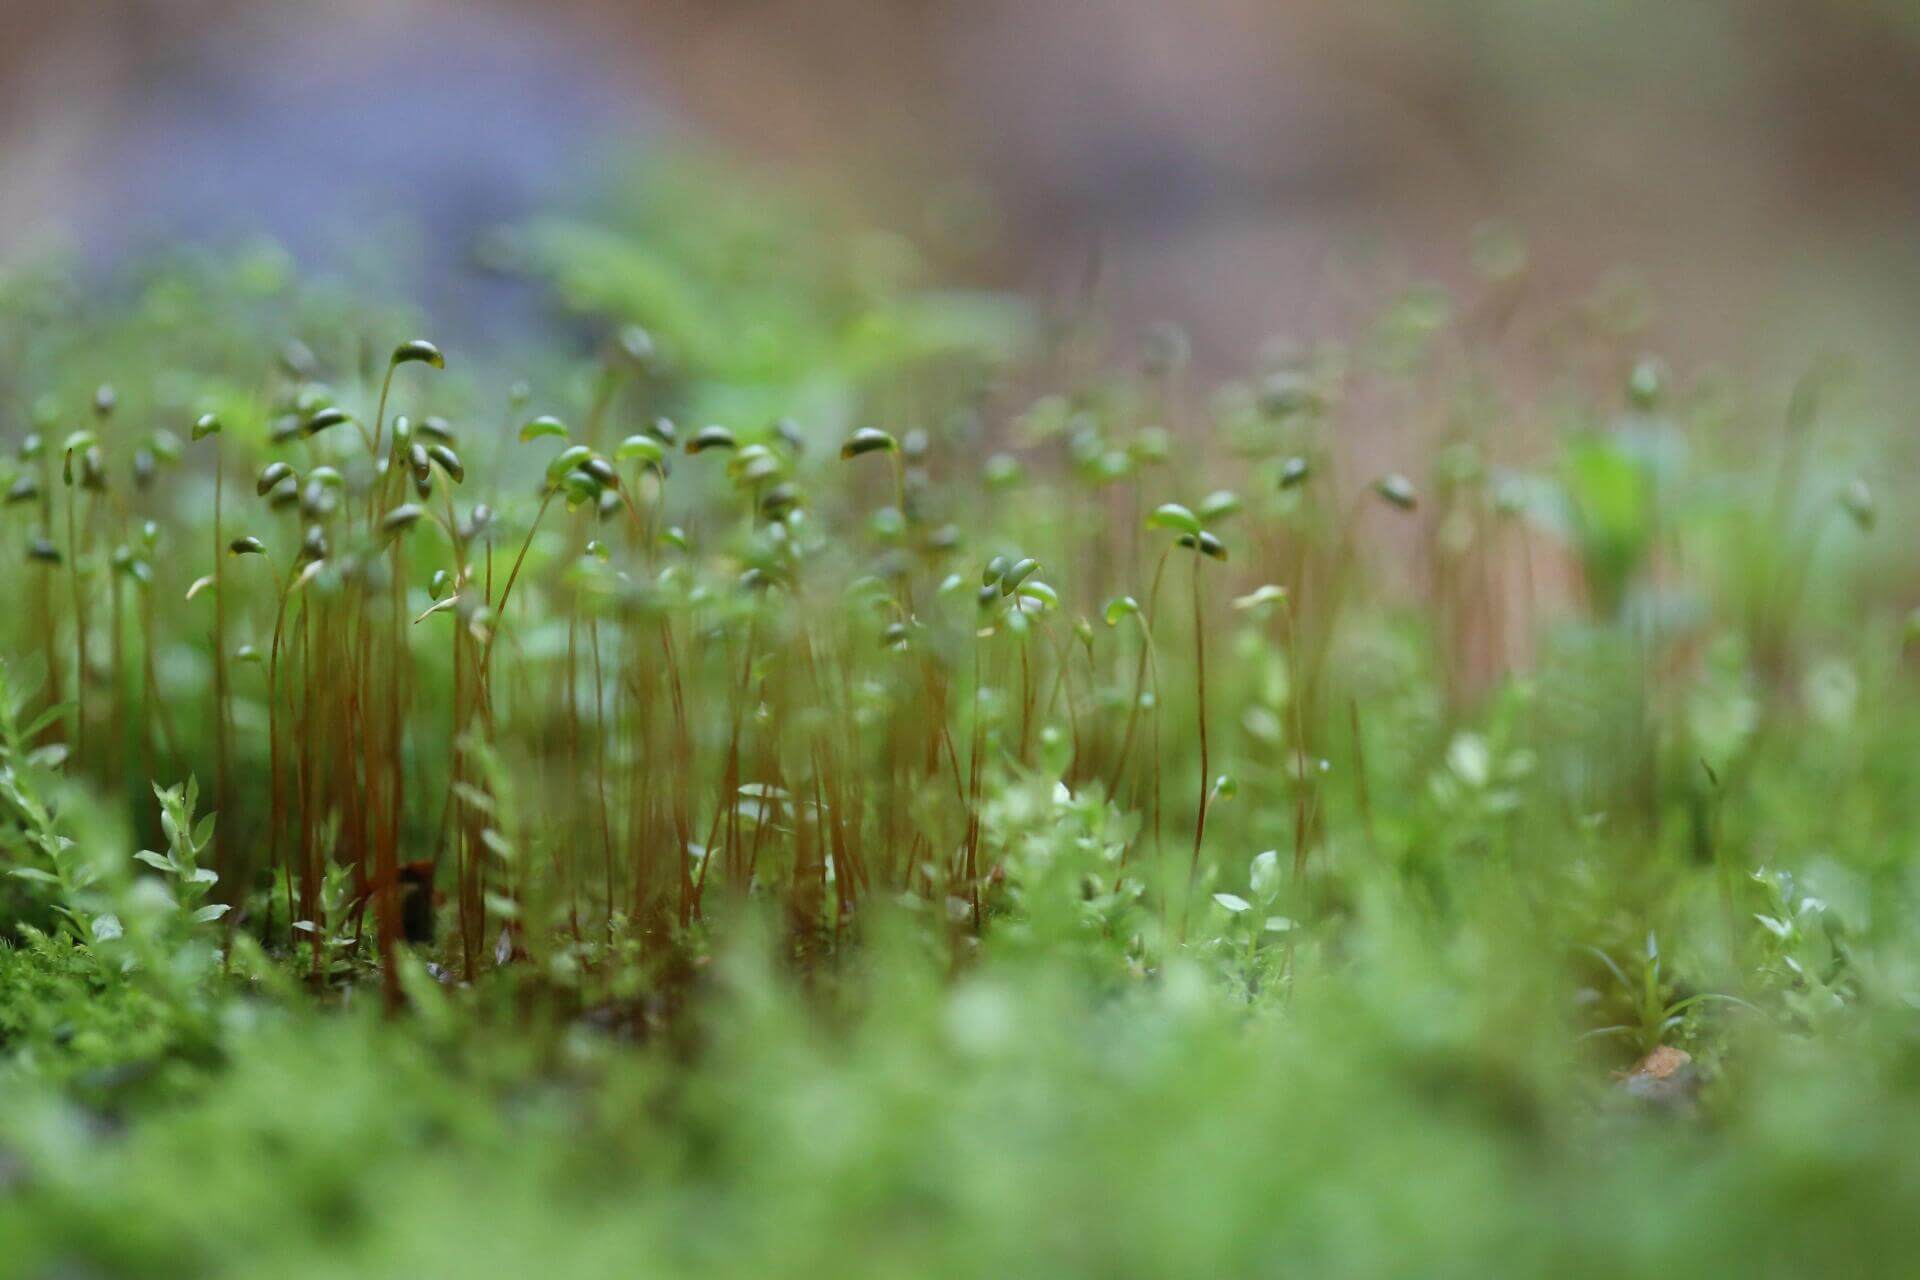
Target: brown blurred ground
<point>1227,160</point>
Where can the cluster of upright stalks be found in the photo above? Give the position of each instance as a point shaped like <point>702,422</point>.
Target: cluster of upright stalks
<point>577,721</point>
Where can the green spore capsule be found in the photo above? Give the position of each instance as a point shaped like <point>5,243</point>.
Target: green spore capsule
<point>1396,490</point>
<point>544,427</point>
<point>868,440</point>
<point>448,461</point>
<point>418,351</point>
<point>325,419</point>
<point>401,518</point>
<point>272,475</point>
<point>715,437</point>
<point>1174,517</point>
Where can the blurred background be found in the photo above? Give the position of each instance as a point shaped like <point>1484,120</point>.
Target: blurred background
<point>1245,167</point>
